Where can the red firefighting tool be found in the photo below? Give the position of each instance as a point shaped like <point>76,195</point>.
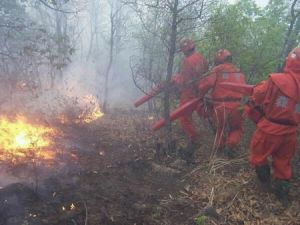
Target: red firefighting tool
<point>153,92</point>
<point>161,87</point>
<point>254,113</point>
<point>245,89</point>
<point>190,105</point>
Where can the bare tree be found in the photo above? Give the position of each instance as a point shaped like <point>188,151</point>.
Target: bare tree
<point>60,16</point>
<point>117,21</point>
<point>292,34</point>
<point>94,47</point>
<point>177,18</point>
<point>148,67</point>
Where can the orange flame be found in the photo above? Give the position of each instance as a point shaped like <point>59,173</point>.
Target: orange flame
<point>87,112</point>
<point>19,139</point>
<point>92,111</point>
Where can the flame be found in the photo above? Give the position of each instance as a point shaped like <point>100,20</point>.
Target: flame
<point>89,111</point>
<point>19,138</point>
<point>92,109</point>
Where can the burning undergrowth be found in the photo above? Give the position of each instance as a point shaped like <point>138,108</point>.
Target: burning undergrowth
<point>39,152</point>
<point>72,99</point>
<point>23,140</point>
<point>35,139</point>
<point>20,139</point>
<point>38,164</point>
<point>31,151</point>
<point>85,109</point>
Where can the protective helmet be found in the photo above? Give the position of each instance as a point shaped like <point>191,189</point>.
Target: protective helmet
<point>293,60</point>
<point>187,44</point>
<point>221,56</point>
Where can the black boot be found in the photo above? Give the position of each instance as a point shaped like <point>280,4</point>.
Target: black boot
<point>263,174</point>
<point>281,190</point>
<point>229,153</point>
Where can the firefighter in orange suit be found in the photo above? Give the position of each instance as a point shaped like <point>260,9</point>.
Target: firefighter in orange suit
<point>226,103</point>
<point>193,66</point>
<point>276,133</point>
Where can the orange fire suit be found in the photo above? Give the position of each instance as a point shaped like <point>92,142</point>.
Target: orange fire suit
<point>227,117</point>
<point>276,133</point>
<point>192,68</point>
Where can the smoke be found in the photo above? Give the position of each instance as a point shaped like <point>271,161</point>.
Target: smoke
<point>7,179</point>
<point>78,81</point>
<point>122,89</point>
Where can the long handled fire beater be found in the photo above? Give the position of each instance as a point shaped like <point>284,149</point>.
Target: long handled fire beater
<point>252,111</point>
<point>245,89</point>
<point>162,87</point>
<point>159,88</point>
<point>177,113</point>
<point>167,86</point>
<point>152,93</point>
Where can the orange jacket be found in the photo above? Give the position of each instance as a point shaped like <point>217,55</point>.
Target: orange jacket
<point>193,67</point>
<point>279,97</point>
<point>226,72</point>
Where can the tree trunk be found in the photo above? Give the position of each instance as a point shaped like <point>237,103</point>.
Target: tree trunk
<point>288,41</point>
<point>172,50</point>
<point>111,52</point>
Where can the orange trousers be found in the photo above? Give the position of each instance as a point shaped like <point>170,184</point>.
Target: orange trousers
<point>280,147</point>
<point>229,125</point>
<point>187,123</point>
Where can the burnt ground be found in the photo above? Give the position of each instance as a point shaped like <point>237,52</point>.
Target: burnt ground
<point>120,174</point>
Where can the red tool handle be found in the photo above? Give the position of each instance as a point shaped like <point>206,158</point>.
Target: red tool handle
<point>245,89</point>
<point>189,106</point>
<point>155,91</point>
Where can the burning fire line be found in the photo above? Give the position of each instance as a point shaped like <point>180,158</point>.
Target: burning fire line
<point>20,139</point>
<point>89,111</point>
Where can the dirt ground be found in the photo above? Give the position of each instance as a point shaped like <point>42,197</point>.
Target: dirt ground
<point>123,176</point>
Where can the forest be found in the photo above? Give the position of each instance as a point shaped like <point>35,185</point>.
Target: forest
<point>77,149</point>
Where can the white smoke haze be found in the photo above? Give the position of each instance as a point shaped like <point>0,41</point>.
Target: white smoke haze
<point>261,3</point>
<point>83,75</point>
<point>7,179</point>
<point>89,32</point>
<point>79,80</point>
<point>122,89</point>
